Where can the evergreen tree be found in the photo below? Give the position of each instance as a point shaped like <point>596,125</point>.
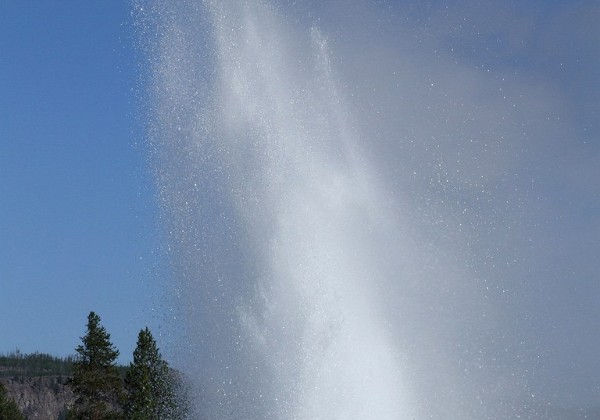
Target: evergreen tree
<point>96,381</point>
<point>8,407</point>
<point>149,383</point>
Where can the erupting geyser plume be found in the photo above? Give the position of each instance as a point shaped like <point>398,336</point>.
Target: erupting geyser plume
<point>339,214</point>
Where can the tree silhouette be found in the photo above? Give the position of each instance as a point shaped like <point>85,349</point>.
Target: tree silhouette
<point>8,407</point>
<point>96,381</point>
<point>149,383</point>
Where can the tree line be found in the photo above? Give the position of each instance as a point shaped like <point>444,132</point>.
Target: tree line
<point>34,364</point>
<point>148,390</point>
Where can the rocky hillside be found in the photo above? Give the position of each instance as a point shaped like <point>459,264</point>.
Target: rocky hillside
<point>40,397</point>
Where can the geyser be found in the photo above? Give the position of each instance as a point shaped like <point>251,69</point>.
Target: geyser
<point>347,213</point>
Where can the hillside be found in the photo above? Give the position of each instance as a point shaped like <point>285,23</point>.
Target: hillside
<point>37,383</point>
<point>40,397</point>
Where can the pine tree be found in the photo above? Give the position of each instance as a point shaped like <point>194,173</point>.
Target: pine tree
<point>149,384</point>
<point>96,381</point>
<point>8,407</point>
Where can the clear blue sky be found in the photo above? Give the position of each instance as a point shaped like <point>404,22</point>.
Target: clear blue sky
<point>76,210</point>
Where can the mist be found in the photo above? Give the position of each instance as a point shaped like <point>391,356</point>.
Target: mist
<point>379,210</point>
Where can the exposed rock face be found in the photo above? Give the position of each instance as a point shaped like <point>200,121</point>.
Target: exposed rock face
<point>42,397</point>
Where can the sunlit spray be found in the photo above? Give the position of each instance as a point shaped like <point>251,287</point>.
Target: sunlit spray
<point>308,284</point>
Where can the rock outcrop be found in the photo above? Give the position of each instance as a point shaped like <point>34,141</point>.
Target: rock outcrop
<point>41,397</point>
